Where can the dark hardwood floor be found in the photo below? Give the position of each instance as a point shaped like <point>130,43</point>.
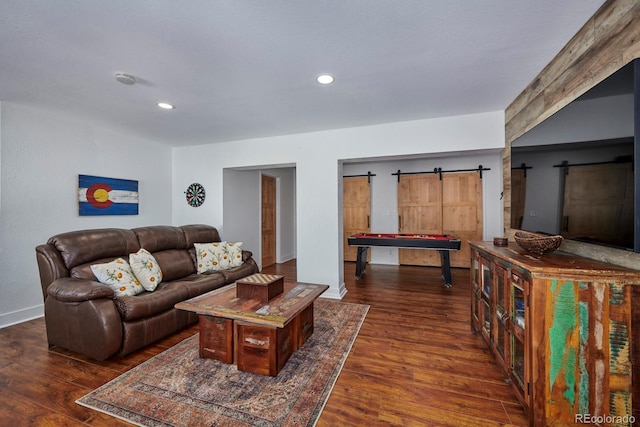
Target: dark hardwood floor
<point>415,362</point>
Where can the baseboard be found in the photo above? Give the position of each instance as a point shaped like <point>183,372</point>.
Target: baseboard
<point>334,293</point>
<point>285,258</point>
<point>15,317</point>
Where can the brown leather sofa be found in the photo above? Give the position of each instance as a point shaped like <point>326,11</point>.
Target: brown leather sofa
<point>84,316</point>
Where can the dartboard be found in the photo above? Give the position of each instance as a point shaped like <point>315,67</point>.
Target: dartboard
<point>195,194</point>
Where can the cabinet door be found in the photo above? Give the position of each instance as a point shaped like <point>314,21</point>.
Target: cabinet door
<point>518,315</point>
<point>501,332</point>
<point>487,313</point>
<point>476,291</point>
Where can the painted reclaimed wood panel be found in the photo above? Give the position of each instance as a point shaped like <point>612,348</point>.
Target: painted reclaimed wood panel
<point>582,359</point>
<point>107,196</point>
<point>588,351</point>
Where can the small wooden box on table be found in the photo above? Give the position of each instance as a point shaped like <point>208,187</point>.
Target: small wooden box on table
<point>262,287</point>
<point>260,334</point>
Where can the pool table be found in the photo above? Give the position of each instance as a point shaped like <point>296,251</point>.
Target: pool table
<point>443,243</point>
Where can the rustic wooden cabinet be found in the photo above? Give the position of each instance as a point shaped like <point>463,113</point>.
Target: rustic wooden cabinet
<point>564,329</point>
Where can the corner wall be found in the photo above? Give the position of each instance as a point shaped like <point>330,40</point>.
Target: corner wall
<point>41,155</point>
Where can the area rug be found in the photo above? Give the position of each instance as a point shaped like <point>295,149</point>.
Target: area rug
<point>178,388</point>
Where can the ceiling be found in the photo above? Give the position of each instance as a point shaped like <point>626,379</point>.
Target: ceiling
<point>239,69</point>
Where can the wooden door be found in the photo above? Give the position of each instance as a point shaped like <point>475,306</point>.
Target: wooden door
<point>518,194</point>
<point>356,211</point>
<point>429,205</point>
<point>419,212</point>
<point>602,195</point>
<point>268,221</point>
<point>462,211</point>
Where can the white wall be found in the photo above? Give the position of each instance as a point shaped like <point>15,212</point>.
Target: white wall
<point>586,120</point>
<point>318,158</point>
<point>41,155</point>
<point>241,203</point>
<point>384,192</point>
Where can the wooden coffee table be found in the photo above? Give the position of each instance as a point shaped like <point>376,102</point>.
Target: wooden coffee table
<point>259,335</point>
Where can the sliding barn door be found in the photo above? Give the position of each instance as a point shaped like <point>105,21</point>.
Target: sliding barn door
<point>602,195</point>
<point>518,194</point>
<point>419,212</point>
<point>462,211</point>
<point>356,211</point>
<point>429,205</point>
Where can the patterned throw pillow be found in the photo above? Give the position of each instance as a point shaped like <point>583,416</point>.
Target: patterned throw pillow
<point>118,275</point>
<point>211,256</point>
<point>235,253</point>
<point>146,269</point>
<point>218,256</point>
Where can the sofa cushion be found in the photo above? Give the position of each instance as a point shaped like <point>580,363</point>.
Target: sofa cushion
<point>148,304</point>
<point>175,264</point>
<point>160,237</point>
<point>87,246</point>
<point>146,269</point>
<point>199,233</point>
<point>83,271</point>
<point>246,269</point>
<point>197,284</point>
<point>118,275</point>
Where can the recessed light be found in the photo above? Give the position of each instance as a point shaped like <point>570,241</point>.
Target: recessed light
<point>324,79</point>
<point>166,106</point>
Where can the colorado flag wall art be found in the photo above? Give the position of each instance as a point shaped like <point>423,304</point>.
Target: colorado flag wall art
<point>107,196</point>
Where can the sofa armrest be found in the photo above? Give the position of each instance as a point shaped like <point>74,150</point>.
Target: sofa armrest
<point>69,289</point>
<point>246,255</point>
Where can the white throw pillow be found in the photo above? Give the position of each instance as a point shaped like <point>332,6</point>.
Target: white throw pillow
<point>119,276</point>
<point>146,269</point>
<point>212,256</point>
<point>235,254</point>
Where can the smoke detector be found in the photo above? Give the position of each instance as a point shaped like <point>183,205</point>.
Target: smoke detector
<point>125,79</point>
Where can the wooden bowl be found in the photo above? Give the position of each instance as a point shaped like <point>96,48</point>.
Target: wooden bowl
<point>537,243</point>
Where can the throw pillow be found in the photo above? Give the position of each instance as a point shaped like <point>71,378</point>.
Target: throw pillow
<point>212,256</point>
<point>118,275</point>
<point>235,254</point>
<point>146,269</point>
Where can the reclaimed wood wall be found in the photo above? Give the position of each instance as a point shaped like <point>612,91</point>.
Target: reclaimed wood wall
<point>607,42</point>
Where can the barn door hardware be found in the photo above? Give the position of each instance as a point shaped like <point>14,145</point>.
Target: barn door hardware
<point>368,175</point>
<point>440,171</point>
<point>524,167</point>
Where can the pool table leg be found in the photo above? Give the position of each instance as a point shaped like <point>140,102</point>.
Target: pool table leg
<point>361,261</point>
<point>446,268</point>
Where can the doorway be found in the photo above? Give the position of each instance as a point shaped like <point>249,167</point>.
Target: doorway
<point>268,226</point>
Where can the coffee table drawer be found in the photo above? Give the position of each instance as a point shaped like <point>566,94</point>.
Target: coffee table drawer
<point>262,349</point>
<point>216,338</point>
<point>302,327</point>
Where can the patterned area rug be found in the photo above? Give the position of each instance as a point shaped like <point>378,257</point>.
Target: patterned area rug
<point>178,388</point>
